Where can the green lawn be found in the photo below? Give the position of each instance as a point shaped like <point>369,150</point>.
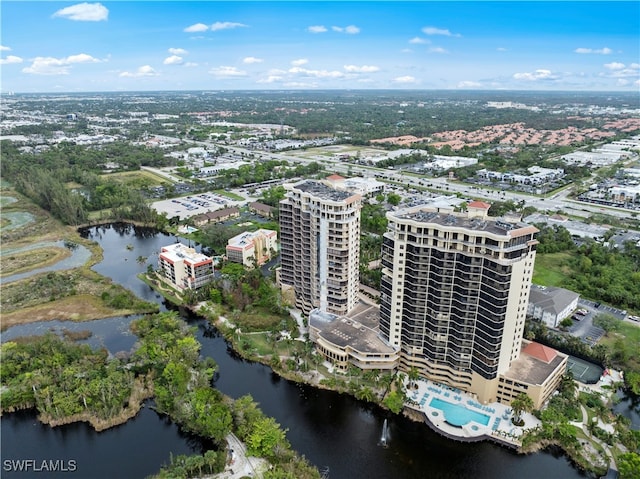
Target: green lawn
<point>229,194</point>
<point>551,269</point>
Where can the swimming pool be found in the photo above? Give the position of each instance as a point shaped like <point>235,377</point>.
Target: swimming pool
<point>458,415</point>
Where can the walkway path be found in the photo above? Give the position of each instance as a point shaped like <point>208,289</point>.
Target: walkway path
<point>607,450</point>
<point>241,465</point>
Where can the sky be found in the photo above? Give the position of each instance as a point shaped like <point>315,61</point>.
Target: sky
<point>240,45</point>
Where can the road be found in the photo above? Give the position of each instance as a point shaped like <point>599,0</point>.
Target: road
<point>557,202</point>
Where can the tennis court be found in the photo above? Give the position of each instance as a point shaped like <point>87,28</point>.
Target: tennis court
<point>584,371</point>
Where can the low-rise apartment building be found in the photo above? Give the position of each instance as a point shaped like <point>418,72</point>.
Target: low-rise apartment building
<point>184,267</point>
<point>252,247</point>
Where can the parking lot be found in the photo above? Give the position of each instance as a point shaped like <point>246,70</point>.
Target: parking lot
<point>188,206</point>
<point>585,329</point>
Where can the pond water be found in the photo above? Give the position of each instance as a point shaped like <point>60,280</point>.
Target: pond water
<point>332,430</point>
<point>79,256</point>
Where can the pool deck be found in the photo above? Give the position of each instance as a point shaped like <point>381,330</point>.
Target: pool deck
<point>499,428</point>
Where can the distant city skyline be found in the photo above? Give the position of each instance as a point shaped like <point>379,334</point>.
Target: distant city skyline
<point>240,45</point>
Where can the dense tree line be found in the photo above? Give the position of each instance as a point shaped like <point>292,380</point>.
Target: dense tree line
<point>598,272</point>
<point>260,171</point>
<point>44,179</point>
<point>62,379</point>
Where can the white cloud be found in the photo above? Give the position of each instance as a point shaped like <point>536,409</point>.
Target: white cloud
<point>173,60</point>
<point>597,51</point>
<point>502,49</point>
<point>251,60</point>
<point>614,66</point>
<point>196,27</point>
<point>84,12</point>
<point>361,69</point>
<point>439,31</point>
<point>437,50</point>
<point>620,70</point>
<point>227,72</point>
<point>405,79</point>
<point>10,59</point>
<point>316,73</point>
<point>351,29</point>
<point>317,29</point>
<point>81,58</point>
<point>300,62</point>
<point>469,84</point>
<point>270,79</point>
<point>57,66</point>
<point>178,51</point>
<point>419,40</point>
<point>4,49</point>
<point>190,64</point>
<point>226,26</point>
<point>143,71</point>
<point>539,74</point>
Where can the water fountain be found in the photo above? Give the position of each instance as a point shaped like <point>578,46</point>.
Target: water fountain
<point>384,437</point>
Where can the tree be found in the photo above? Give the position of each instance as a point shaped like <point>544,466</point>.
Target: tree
<point>395,401</point>
<point>265,436</point>
<point>629,465</point>
<point>413,375</point>
<point>521,403</point>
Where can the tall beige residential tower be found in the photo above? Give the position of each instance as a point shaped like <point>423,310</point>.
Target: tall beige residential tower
<point>454,293</point>
<point>320,246</point>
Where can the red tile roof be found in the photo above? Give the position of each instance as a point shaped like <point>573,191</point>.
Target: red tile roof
<point>541,352</point>
<point>335,177</point>
<point>479,204</point>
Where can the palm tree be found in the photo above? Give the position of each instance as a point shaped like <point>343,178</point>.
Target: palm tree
<point>568,386</point>
<point>521,403</point>
<point>413,375</point>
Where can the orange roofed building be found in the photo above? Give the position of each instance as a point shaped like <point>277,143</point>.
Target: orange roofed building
<point>537,372</point>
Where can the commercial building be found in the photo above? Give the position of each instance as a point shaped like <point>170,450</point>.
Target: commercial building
<point>454,293</point>
<point>550,305</point>
<point>183,267</point>
<point>320,246</point>
<point>347,341</point>
<point>252,247</point>
<point>537,372</point>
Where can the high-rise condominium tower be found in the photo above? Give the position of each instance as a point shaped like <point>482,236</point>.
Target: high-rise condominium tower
<point>454,293</point>
<point>320,246</point>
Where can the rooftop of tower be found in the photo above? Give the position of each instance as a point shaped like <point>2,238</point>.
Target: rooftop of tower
<point>488,224</point>
<point>323,191</point>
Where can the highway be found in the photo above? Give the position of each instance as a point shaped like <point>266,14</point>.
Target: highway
<point>556,202</point>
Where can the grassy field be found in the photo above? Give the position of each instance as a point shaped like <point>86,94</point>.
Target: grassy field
<point>229,194</point>
<point>629,335</point>
<point>75,294</point>
<point>551,269</point>
<point>143,175</point>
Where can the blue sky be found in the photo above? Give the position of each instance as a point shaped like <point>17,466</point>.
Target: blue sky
<point>135,46</point>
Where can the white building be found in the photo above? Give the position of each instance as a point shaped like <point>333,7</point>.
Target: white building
<point>252,247</point>
<point>366,187</point>
<point>551,305</point>
<point>183,267</point>
<point>320,246</point>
